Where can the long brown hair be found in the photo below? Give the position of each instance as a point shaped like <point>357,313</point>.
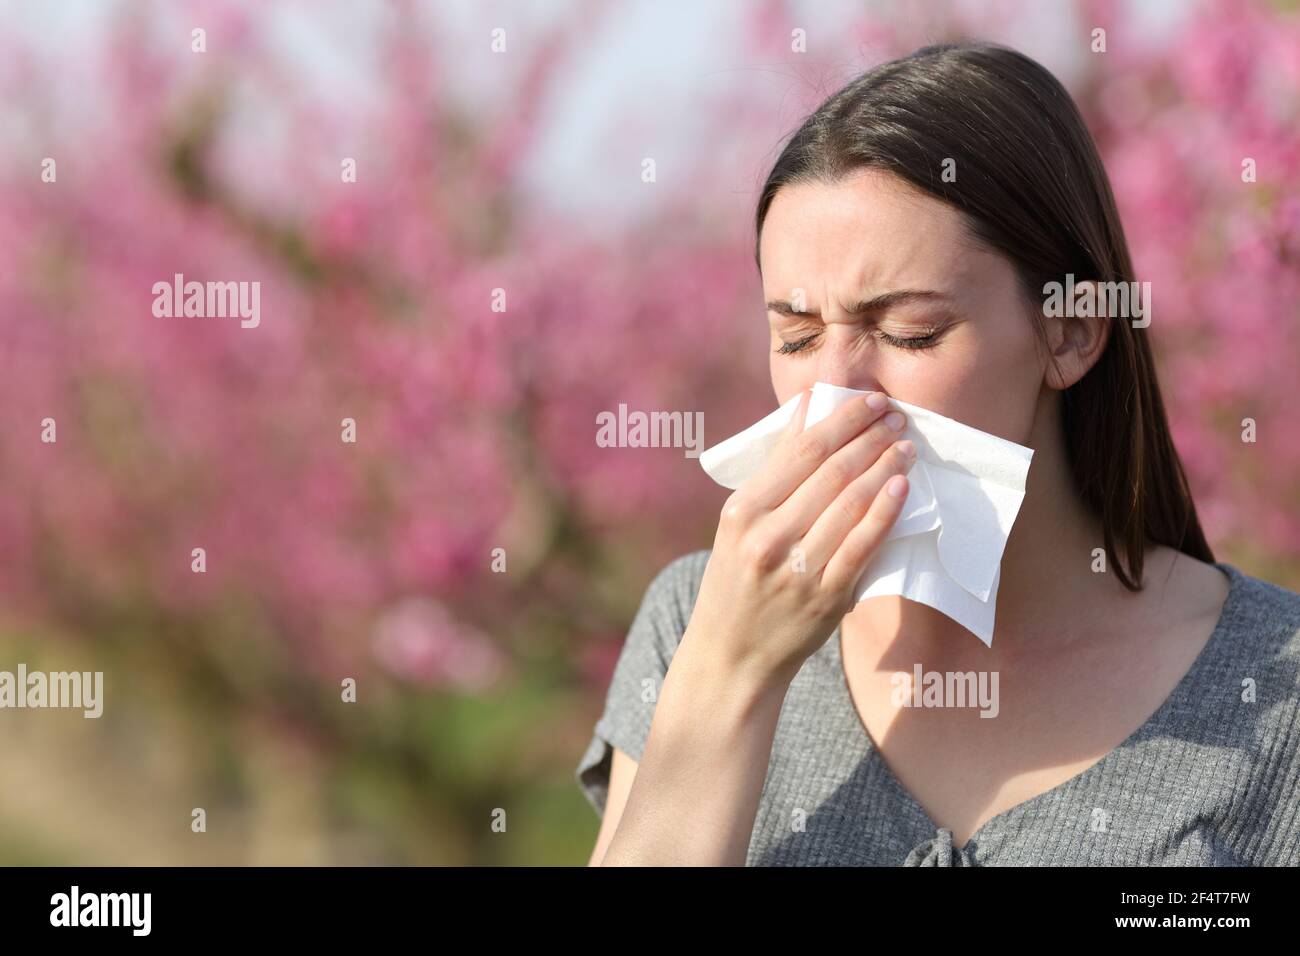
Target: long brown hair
<point>1032,186</point>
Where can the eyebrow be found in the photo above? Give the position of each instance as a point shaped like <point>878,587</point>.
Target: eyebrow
<point>875,303</point>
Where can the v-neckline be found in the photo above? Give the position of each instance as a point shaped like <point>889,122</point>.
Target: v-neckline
<point>1211,649</point>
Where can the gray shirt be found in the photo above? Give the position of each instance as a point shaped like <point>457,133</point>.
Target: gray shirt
<point>1211,778</point>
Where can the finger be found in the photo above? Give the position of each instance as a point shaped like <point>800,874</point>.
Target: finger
<point>859,546</point>
<point>848,508</point>
<point>802,510</point>
<point>799,454</point>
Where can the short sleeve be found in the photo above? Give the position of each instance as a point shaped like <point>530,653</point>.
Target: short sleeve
<point>639,673</point>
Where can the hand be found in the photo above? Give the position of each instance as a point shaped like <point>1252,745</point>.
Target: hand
<point>794,539</point>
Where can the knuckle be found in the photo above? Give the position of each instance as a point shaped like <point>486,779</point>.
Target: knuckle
<point>835,601</point>
<point>841,602</point>
<point>760,552</point>
<point>902,458</point>
<point>837,472</point>
<point>854,502</point>
<point>823,605</point>
<point>734,511</point>
<point>882,436</point>
<point>809,448</point>
<point>880,516</point>
<point>871,519</point>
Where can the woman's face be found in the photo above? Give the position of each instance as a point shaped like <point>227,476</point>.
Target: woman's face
<point>871,284</point>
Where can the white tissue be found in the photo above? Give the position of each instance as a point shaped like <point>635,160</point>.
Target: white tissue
<point>964,492</point>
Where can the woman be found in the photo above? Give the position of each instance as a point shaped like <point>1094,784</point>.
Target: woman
<point>1147,704</point>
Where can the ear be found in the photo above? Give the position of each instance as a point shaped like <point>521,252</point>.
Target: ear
<point>1076,341</point>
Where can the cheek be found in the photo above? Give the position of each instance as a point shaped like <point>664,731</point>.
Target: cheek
<point>786,390</point>
<point>990,382</point>
<point>788,379</point>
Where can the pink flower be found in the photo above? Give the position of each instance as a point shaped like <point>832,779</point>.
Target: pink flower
<point>418,639</point>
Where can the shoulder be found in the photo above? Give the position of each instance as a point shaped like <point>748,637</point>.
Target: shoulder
<point>1260,669</point>
<point>1258,650</point>
<point>1261,621</point>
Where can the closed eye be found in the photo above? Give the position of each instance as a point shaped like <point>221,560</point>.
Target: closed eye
<point>915,342</point>
<point>901,342</point>
<point>790,347</point>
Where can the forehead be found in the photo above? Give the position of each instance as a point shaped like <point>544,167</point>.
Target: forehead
<point>865,232</point>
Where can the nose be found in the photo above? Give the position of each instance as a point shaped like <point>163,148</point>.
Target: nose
<point>841,361</point>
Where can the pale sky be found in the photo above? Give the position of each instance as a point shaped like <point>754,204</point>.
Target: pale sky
<point>631,89</point>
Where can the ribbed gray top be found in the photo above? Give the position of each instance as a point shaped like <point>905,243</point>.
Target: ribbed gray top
<point>1211,778</point>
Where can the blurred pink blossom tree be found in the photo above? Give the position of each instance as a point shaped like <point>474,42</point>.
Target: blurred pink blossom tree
<point>475,428</point>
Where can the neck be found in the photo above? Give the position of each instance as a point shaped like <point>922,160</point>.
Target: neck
<point>1048,586</point>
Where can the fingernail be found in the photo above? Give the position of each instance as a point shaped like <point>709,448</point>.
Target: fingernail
<point>897,486</point>
<point>907,448</point>
<point>895,421</point>
<point>876,400</point>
